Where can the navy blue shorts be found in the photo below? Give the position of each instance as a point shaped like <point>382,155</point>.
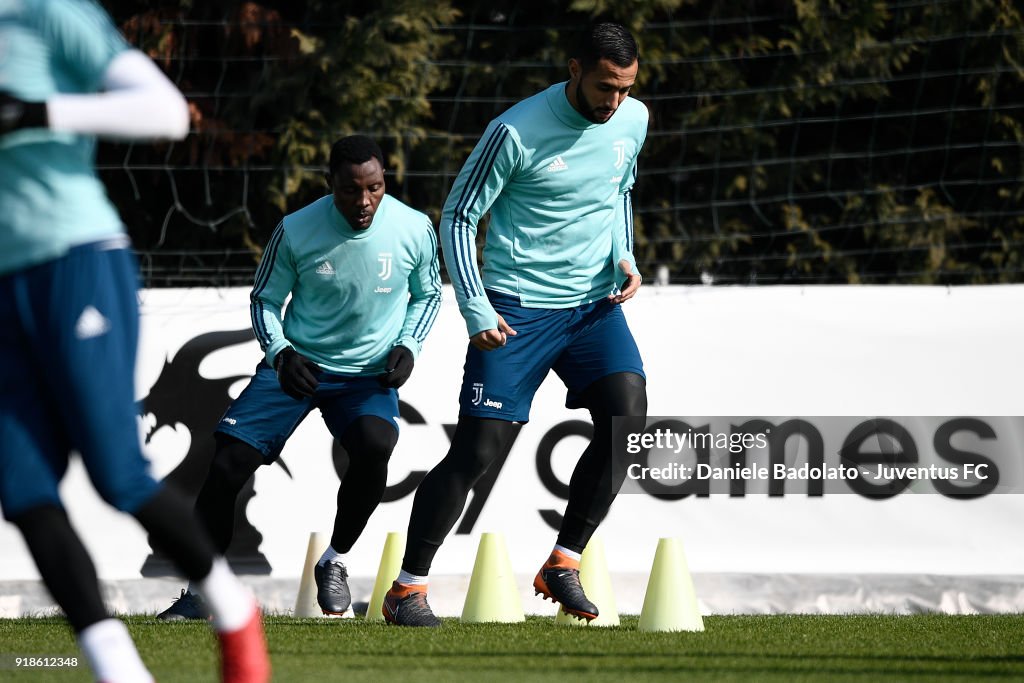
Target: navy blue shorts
<point>263,416</point>
<point>581,345</point>
<point>67,381</point>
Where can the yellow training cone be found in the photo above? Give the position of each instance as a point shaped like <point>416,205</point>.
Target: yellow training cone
<point>670,603</point>
<point>390,565</point>
<point>597,584</point>
<point>305,603</point>
<point>492,594</point>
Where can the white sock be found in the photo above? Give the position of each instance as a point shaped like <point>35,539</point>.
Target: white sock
<point>407,579</point>
<point>111,653</point>
<point>568,553</point>
<point>230,602</point>
<point>331,555</point>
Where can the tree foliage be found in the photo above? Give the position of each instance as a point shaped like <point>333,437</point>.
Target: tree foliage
<point>805,141</point>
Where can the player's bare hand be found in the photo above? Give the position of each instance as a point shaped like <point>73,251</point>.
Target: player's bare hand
<point>488,340</point>
<point>629,286</point>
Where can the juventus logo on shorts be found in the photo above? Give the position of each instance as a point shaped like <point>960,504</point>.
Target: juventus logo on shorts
<point>385,265</point>
<point>478,393</point>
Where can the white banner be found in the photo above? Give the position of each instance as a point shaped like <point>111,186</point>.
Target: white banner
<point>716,351</point>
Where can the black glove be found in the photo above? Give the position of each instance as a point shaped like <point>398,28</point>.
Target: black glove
<point>296,373</point>
<point>15,114</point>
<point>398,368</point>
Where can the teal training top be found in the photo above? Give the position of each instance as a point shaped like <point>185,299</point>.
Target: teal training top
<point>355,294</point>
<point>558,189</point>
<point>50,196</point>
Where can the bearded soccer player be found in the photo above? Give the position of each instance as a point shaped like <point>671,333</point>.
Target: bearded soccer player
<point>555,171</point>
<point>362,271</point>
<point>68,299</point>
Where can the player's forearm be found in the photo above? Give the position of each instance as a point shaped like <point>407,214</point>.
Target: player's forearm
<point>419,319</point>
<point>458,244</point>
<point>622,239</point>
<point>493,162</point>
<point>424,295</point>
<point>275,279</point>
<point>267,326</point>
<point>138,101</point>
<point>460,260</point>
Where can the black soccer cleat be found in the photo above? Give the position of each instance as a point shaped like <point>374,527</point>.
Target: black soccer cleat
<point>332,592</point>
<point>561,583</point>
<point>407,606</point>
<point>185,607</point>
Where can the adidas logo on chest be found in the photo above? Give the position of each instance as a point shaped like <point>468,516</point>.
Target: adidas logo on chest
<point>558,165</point>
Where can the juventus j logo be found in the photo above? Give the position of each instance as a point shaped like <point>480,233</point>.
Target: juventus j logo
<point>620,152</point>
<point>478,393</point>
<point>385,265</point>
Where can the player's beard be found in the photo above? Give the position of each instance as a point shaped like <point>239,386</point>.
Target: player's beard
<point>587,110</point>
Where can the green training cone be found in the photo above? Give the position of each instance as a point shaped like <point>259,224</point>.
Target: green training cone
<point>492,595</point>
<point>390,565</point>
<point>305,603</point>
<point>597,584</point>
<point>670,603</point>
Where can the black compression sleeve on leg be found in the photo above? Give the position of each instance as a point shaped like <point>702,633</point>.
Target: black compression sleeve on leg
<point>233,463</point>
<point>174,529</point>
<point>369,441</point>
<point>64,564</point>
<point>595,482</point>
<point>441,497</point>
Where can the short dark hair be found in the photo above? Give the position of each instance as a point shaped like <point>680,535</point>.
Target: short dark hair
<point>606,40</point>
<point>354,149</point>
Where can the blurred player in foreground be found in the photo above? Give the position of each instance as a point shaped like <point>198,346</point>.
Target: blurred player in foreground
<point>68,299</point>
<point>363,274</point>
<point>555,171</point>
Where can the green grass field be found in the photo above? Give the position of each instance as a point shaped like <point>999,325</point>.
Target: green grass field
<point>733,648</point>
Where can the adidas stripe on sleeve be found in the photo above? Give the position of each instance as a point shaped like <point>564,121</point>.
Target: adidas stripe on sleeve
<point>424,295</point>
<point>492,163</point>
<point>275,278</point>
<point>622,239</point>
